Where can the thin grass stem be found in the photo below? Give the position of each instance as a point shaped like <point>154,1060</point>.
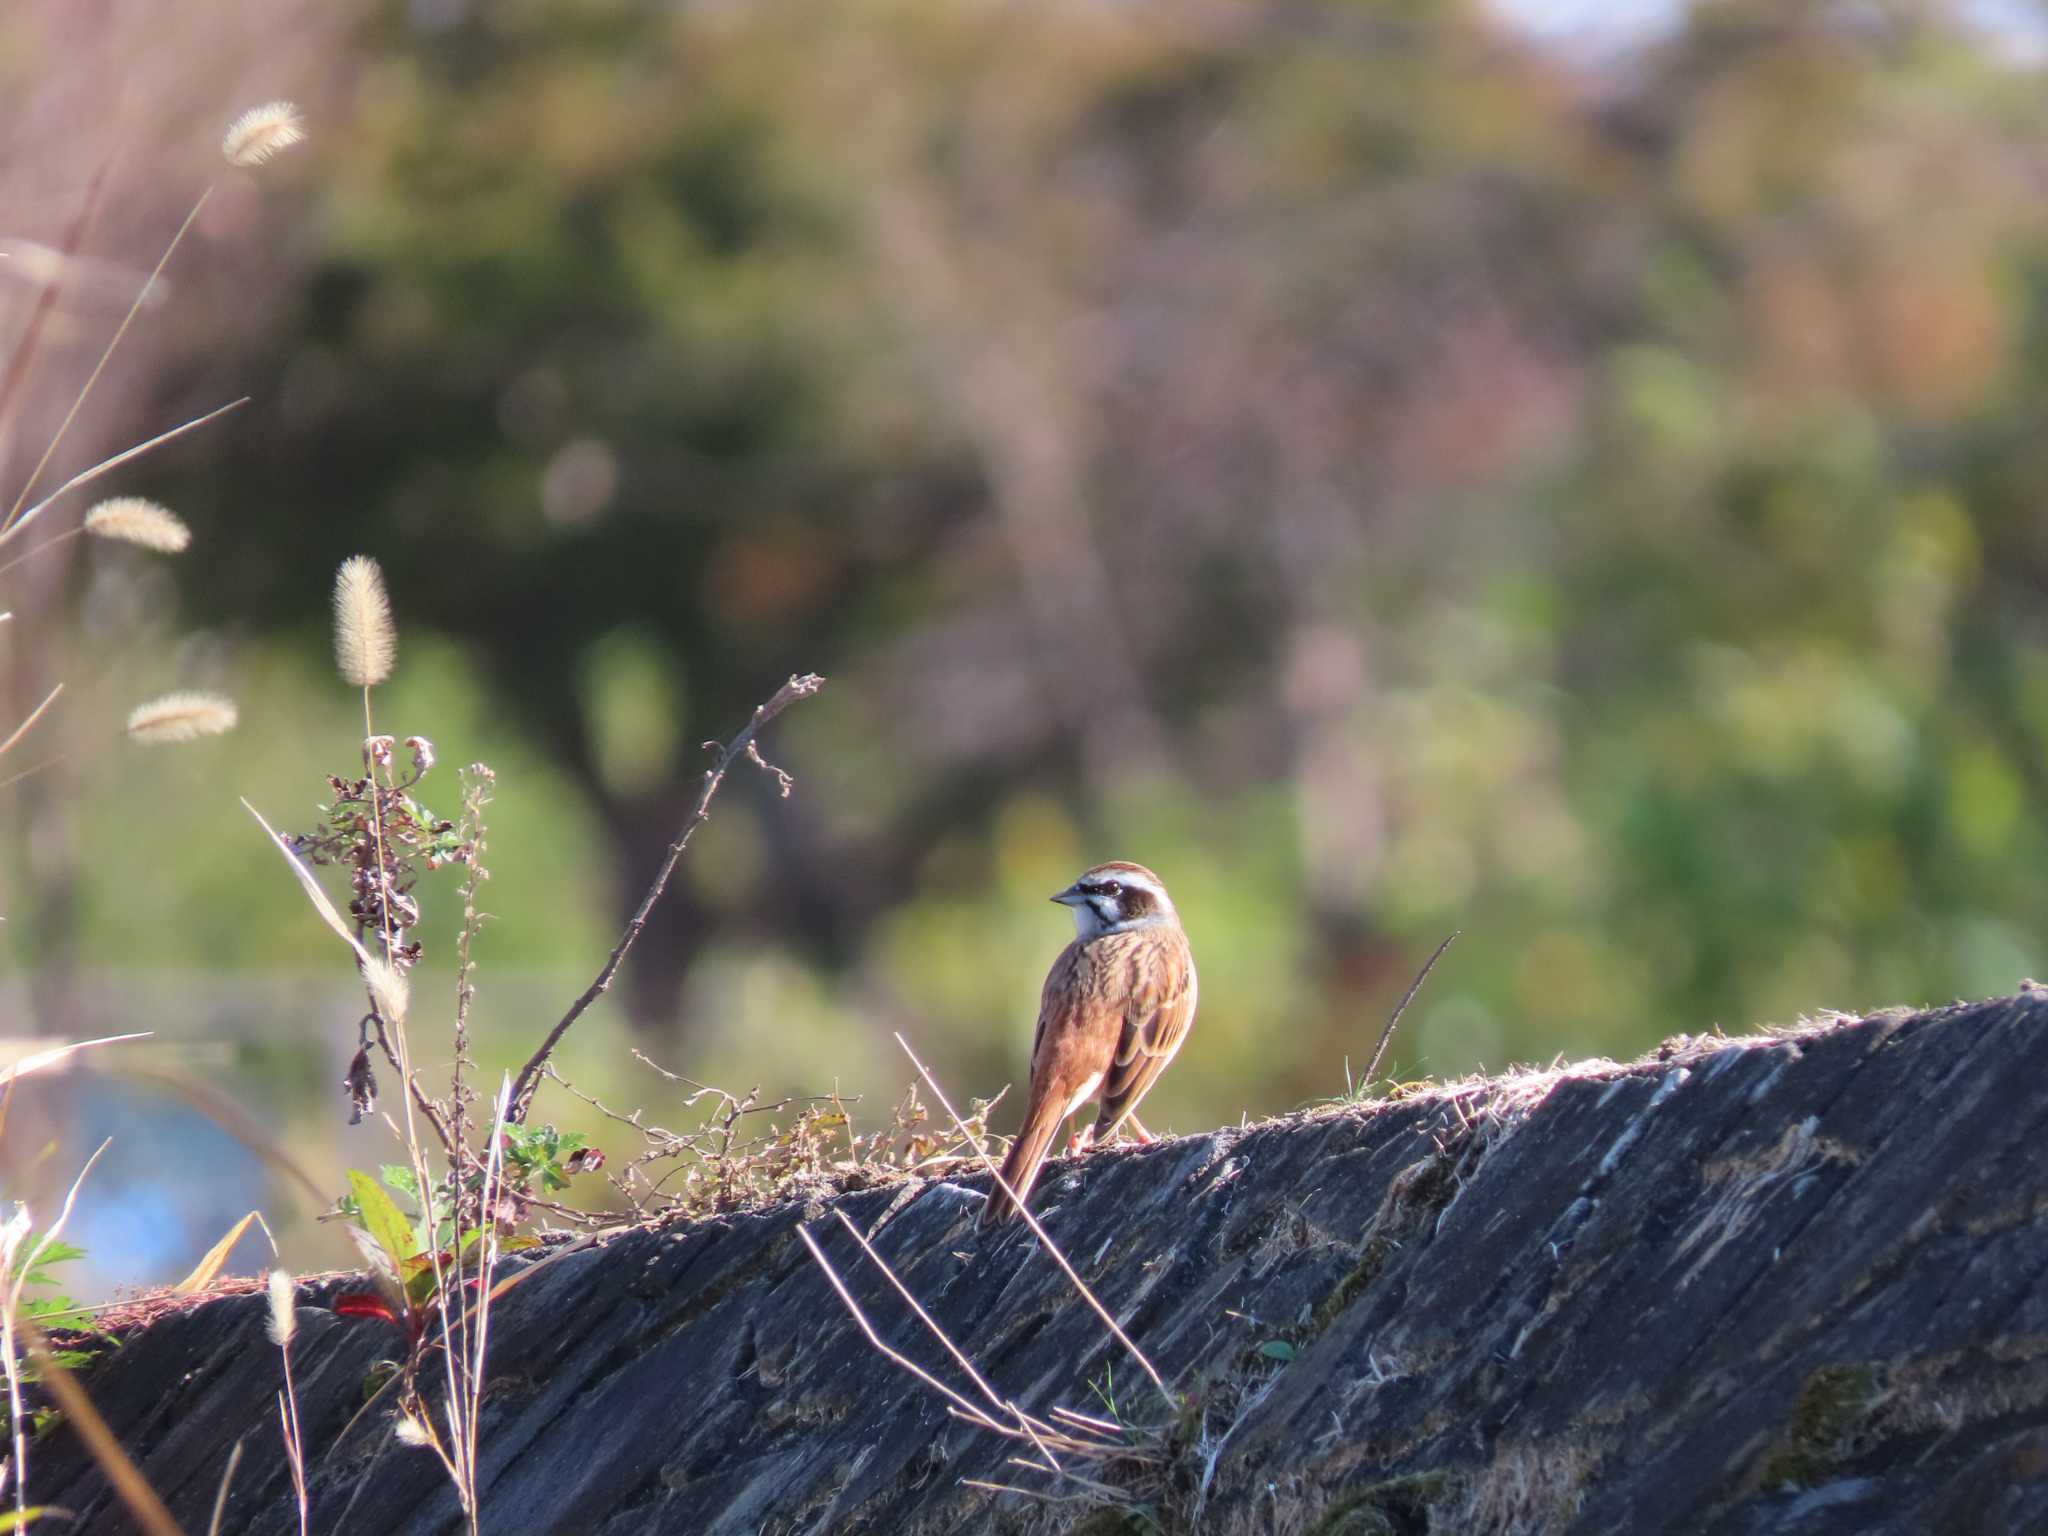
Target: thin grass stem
<point>1044,1237</point>
<point>27,725</point>
<point>105,466</point>
<point>961,1405</point>
<point>149,287</point>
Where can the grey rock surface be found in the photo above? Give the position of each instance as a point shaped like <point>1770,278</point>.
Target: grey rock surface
<point>1789,1283</point>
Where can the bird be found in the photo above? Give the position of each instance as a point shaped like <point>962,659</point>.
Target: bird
<point>1116,1007</point>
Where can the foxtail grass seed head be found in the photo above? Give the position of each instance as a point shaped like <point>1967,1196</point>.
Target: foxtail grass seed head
<point>365,639</point>
<point>134,520</point>
<point>182,717</point>
<point>284,1316</point>
<point>388,986</point>
<point>410,1431</point>
<point>262,132</point>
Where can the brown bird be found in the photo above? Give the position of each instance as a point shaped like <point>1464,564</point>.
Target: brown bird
<point>1117,1005</point>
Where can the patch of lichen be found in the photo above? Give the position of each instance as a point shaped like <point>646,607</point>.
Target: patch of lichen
<point>1353,1285</point>
<point>1399,1506</point>
<point>1115,1520</point>
<point>1821,1433</point>
<point>1416,1192</point>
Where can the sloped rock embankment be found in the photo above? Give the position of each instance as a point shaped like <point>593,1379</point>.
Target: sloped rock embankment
<point>1792,1283</point>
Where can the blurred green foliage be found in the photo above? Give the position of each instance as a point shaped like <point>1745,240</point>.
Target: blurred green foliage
<point>1383,476</point>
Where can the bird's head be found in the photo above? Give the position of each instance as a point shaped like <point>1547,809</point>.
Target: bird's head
<point>1116,897</point>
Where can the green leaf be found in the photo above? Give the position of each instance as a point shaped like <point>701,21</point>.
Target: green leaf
<point>381,1218</point>
<point>420,1281</point>
<point>57,1312</point>
<point>48,1251</point>
<point>17,1519</point>
<point>1277,1349</point>
<point>399,1177</point>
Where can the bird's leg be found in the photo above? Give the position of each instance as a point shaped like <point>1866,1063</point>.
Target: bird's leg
<point>1081,1140</point>
<point>1145,1137</point>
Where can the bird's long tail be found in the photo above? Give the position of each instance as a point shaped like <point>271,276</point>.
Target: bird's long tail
<point>1027,1155</point>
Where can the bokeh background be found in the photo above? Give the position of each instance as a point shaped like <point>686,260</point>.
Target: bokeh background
<point>1571,474</point>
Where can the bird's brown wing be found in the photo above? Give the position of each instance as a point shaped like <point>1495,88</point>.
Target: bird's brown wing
<point>1155,1022</point>
<point>1077,1038</point>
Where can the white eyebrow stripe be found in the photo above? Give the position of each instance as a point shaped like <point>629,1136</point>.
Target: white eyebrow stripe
<point>1133,880</point>
<point>1124,877</point>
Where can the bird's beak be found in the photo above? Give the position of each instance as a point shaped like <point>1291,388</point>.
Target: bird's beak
<point>1070,897</point>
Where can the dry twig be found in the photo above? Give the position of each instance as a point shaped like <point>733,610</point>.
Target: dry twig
<point>740,747</point>
<point>1408,997</point>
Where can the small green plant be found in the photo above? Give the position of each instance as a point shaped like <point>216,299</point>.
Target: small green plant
<point>75,1340</point>
<point>385,837</point>
<point>408,1256</point>
<point>1104,1388</point>
<point>433,1268</point>
<point>413,1257</point>
<point>540,1153</point>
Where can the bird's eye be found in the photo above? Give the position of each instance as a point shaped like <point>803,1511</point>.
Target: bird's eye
<point>1111,888</point>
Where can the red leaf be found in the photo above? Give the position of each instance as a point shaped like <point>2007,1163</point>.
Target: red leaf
<point>364,1304</point>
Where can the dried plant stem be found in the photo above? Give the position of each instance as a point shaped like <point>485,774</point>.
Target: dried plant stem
<point>28,773</point>
<point>1044,1438</point>
<point>961,1405</point>
<point>14,512</point>
<point>400,1058</point>
<point>1408,997</point>
<point>474,1343</point>
<point>87,476</point>
<point>48,544</point>
<point>220,1496</point>
<point>23,357</point>
<point>400,1053</point>
<point>1045,1238</point>
<point>294,1444</point>
<point>802,687</point>
<point>17,1414</point>
<point>476,796</point>
<point>391,1034</point>
<point>35,714</point>
<point>959,1355</point>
